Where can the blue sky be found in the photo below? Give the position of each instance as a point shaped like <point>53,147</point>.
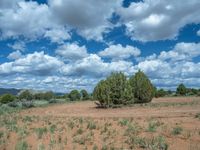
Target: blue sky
<point>61,45</point>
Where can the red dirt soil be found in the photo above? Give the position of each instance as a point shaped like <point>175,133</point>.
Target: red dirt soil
<point>168,112</point>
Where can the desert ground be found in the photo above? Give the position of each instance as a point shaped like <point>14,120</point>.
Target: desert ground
<point>166,123</point>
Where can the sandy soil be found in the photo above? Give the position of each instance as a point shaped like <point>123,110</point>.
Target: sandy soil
<point>80,125</point>
<point>87,109</point>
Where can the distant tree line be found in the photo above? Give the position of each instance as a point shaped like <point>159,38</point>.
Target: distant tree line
<point>27,95</point>
<point>115,90</point>
<point>181,90</point>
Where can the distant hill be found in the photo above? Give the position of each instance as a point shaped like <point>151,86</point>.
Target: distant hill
<point>10,91</point>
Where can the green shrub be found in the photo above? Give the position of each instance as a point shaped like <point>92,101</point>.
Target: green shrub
<point>123,122</point>
<point>181,90</point>
<point>25,95</point>
<point>74,95</point>
<point>142,88</point>
<point>84,95</point>
<point>177,130</point>
<point>6,98</point>
<point>197,116</point>
<point>156,143</point>
<point>27,104</point>
<point>5,109</point>
<point>160,93</point>
<point>153,125</point>
<point>39,103</point>
<point>14,104</point>
<point>40,132</point>
<point>91,125</point>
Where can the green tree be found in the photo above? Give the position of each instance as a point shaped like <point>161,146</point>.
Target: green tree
<point>38,96</point>
<point>25,95</point>
<point>101,93</point>
<point>142,87</point>
<point>115,90</point>
<point>74,95</point>
<point>48,95</point>
<point>161,93</point>
<point>84,95</point>
<point>181,89</point>
<point>128,95</point>
<point>119,88</point>
<point>6,98</point>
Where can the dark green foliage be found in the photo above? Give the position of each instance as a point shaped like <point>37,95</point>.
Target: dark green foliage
<point>177,130</point>
<point>181,89</point>
<point>142,88</point>
<point>26,95</point>
<point>120,89</point>
<point>128,94</point>
<point>74,95</point>
<point>39,96</point>
<point>198,94</point>
<point>101,93</point>
<point>115,90</point>
<point>192,91</point>
<point>6,98</point>
<point>161,93</point>
<point>44,96</point>
<point>84,95</point>
<point>48,95</point>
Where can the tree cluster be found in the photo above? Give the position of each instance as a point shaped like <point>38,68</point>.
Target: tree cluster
<point>182,90</point>
<point>75,95</point>
<point>28,96</point>
<point>118,90</point>
<point>162,93</point>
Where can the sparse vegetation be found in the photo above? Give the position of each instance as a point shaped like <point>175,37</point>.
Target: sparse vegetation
<point>22,145</point>
<point>52,128</point>
<point>177,130</point>
<point>153,124</point>
<point>197,116</point>
<point>40,132</point>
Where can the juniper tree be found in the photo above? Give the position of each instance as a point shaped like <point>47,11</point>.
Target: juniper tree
<point>181,89</point>
<point>84,95</point>
<point>115,90</point>
<point>101,93</point>
<point>74,95</point>
<point>142,88</point>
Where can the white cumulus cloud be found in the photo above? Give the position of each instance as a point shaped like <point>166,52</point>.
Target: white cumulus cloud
<point>152,20</point>
<point>118,52</point>
<point>72,51</point>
